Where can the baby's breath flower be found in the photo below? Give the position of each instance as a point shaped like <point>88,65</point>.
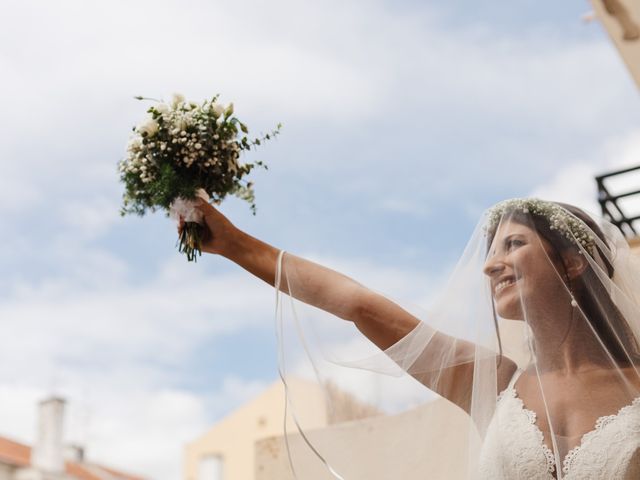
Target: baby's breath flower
<point>574,229</point>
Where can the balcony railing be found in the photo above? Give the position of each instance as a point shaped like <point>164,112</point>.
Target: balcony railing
<point>610,203</point>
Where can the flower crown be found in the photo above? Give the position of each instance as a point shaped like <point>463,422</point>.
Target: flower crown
<point>559,219</point>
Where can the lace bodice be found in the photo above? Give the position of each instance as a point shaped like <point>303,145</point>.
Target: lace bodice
<point>514,447</point>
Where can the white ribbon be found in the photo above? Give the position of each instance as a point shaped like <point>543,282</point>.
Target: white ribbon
<point>185,209</point>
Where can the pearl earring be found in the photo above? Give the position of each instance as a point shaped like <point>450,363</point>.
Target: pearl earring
<point>574,303</point>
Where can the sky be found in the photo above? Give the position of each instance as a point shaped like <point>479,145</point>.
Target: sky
<point>402,122</point>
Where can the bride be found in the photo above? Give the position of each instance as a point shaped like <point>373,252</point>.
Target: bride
<point>565,404</point>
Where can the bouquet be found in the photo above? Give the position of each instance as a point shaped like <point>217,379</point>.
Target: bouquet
<point>184,150</point>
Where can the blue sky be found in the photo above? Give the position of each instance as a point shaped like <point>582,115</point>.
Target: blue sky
<point>402,122</point>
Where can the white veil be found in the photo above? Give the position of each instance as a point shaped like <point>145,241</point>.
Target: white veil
<point>532,349</point>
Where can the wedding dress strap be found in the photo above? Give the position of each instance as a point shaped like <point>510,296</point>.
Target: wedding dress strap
<point>515,377</point>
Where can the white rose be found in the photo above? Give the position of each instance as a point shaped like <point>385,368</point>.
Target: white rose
<point>150,127</point>
<point>218,109</point>
<point>176,100</point>
<point>162,108</point>
<point>229,110</point>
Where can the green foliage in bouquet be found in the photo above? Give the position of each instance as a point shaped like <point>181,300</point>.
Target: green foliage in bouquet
<point>182,147</point>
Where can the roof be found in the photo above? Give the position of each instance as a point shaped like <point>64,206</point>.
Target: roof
<point>14,453</point>
<point>19,455</point>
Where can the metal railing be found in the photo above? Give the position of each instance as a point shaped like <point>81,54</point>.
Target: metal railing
<point>610,207</point>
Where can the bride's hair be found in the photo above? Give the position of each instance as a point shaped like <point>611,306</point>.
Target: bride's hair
<point>591,295</point>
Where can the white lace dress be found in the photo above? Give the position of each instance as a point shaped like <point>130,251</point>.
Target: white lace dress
<point>514,447</point>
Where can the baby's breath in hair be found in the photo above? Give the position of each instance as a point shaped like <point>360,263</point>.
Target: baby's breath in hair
<point>574,229</point>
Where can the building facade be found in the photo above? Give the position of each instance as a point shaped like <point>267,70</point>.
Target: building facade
<point>227,451</point>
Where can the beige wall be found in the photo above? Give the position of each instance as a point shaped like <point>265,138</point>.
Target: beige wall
<point>370,460</point>
<point>233,439</point>
<point>635,245</point>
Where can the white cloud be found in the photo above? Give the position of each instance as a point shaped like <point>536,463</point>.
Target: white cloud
<point>572,184</point>
<point>575,183</point>
<point>90,218</point>
<point>333,64</point>
<point>111,351</point>
<point>140,429</point>
<point>124,324</point>
<point>150,429</point>
<point>418,287</point>
<point>17,415</point>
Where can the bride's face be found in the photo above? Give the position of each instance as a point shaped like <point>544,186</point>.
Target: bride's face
<point>523,276</point>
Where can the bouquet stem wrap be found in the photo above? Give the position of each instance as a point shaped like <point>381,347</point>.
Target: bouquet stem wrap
<point>190,241</point>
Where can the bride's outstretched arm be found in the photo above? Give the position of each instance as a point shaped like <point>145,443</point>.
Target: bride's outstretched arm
<point>381,320</point>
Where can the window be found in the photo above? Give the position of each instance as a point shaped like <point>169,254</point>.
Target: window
<point>210,467</point>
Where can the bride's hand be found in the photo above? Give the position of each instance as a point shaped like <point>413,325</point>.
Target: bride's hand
<point>219,232</point>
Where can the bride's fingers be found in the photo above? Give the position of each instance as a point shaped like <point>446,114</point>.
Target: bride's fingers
<point>202,206</point>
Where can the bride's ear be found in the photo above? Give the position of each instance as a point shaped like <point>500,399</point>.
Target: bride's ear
<point>575,263</point>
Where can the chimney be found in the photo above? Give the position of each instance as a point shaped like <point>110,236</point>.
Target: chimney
<point>48,452</point>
